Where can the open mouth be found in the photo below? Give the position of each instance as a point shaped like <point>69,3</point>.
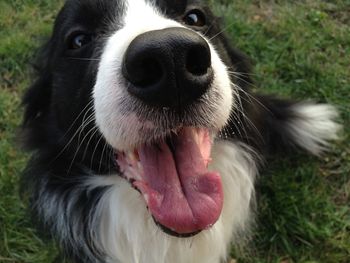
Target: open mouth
<point>182,195</point>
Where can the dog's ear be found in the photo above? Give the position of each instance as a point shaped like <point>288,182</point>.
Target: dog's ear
<point>36,100</point>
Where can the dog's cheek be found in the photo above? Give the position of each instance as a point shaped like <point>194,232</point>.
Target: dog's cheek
<point>224,91</point>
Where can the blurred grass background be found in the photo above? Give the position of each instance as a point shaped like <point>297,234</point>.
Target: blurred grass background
<point>300,49</point>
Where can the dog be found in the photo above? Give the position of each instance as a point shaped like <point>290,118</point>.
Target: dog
<point>146,138</point>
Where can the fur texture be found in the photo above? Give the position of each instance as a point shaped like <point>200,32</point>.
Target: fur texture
<point>79,116</point>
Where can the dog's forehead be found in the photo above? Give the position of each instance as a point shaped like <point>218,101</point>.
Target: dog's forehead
<point>118,7</point>
<point>176,6</point>
<point>90,14</point>
<point>105,17</point>
<point>94,14</point>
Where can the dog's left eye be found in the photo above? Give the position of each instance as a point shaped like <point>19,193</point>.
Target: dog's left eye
<point>195,18</point>
<point>79,40</point>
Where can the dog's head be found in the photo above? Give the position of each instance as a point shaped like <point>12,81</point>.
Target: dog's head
<point>149,80</point>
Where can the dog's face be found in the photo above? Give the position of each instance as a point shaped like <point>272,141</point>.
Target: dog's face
<point>151,66</point>
<point>150,78</point>
<point>159,73</point>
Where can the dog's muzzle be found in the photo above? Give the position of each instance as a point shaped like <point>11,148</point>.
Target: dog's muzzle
<point>168,68</point>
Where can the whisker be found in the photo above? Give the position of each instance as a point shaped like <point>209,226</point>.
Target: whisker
<point>242,73</point>
<point>234,117</point>
<point>80,144</point>
<point>94,130</point>
<point>110,162</point>
<point>86,123</point>
<point>251,97</point>
<point>209,27</point>
<point>233,120</point>
<point>75,133</point>
<point>222,31</point>
<point>93,153</point>
<point>102,154</point>
<point>85,109</point>
<point>239,77</point>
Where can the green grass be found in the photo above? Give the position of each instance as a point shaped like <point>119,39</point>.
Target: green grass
<point>22,26</point>
<point>300,49</point>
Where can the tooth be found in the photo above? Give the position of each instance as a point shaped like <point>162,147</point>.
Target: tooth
<point>131,156</point>
<point>208,161</point>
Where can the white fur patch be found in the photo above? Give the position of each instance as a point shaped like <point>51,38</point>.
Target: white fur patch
<point>314,126</point>
<point>121,128</point>
<point>129,234</point>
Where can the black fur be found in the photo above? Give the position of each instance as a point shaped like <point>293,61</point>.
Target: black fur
<point>58,101</point>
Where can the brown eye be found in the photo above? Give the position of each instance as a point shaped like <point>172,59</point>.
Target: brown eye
<point>80,40</point>
<point>195,18</point>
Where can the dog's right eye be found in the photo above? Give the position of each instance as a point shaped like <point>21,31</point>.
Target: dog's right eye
<point>79,40</point>
<point>195,18</point>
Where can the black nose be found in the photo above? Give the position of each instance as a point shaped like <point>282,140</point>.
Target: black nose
<point>168,68</point>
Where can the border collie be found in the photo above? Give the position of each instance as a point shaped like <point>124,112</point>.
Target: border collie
<point>145,136</point>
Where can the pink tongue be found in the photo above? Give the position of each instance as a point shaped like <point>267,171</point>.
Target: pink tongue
<point>180,192</point>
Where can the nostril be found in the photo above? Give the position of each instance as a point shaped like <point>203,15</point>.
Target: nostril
<point>168,68</point>
<point>198,60</point>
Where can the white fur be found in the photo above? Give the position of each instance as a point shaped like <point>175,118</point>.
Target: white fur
<point>122,128</point>
<point>314,126</point>
<point>128,233</point>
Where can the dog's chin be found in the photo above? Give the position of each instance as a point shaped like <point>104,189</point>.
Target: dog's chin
<point>173,177</point>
